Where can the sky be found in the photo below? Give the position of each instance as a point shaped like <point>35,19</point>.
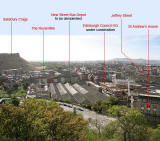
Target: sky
<point>84,45</point>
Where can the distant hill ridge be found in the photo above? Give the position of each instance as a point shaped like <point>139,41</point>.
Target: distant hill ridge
<point>138,61</point>
<point>14,62</point>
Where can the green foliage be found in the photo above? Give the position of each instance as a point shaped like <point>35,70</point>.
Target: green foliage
<point>111,130</point>
<point>3,93</point>
<point>93,135</point>
<point>18,90</point>
<point>156,134</point>
<point>118,75</point>
<point>110,133</point>
<point>12,123</point>
<point>98,106</point>
<point>15,101</point>
<point>111,101</point>
<point>134,126</point>
<point>88,106</point>
<point>117,111</point>
<point>68,101</point>
<point>25,84</point>
<point>101,106</point>
<point>13,89</point>
<point>38,120</point>
<point>131,123</point>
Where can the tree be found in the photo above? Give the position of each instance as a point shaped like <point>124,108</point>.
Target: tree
<point>117,111</point>
<point>155,134</point>
<point>20,92</point>
<point>111,130</point>
<point>39,120</point>
<point>15,101</point>
<point>93,135</point>
<point>111,101</point>
<point>25,84</point>
<point>97,125</point>
<point>131,123</point>
<point>98,106</point>
<point>118,75</point>
<point>134,126</point>
<point>12,123</point>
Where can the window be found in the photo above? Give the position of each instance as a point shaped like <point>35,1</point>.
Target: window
<point>148,110</point>
<point>155,101</point>
<point>142,109</point>
<point>139,100</point>
<point>155,111</point>
<point>144,100</point>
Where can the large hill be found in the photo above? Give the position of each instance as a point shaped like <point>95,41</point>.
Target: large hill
<point>14,62</point>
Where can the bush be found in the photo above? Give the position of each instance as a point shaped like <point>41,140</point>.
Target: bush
<point>38,120</point>
<point>15,101</point>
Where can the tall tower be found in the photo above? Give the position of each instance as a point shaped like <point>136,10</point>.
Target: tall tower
<point>129,94</point>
